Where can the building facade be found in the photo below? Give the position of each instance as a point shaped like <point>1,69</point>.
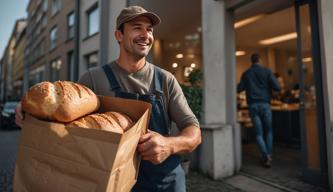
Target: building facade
<point>18,65</point>
<point>50,40</point>
<point>9,63</point>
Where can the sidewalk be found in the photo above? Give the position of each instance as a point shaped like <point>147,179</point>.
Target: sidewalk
<point>197,182</point>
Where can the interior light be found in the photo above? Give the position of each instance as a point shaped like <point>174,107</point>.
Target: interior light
<point>279,38</point>
<point>193,65</point>
<point>247,21</point>
<point>307,59</point>
<point>187,71</point>
<point>179,56</point>
<point>174,65</point>
<point>240,53</point>
<point>191,56</point>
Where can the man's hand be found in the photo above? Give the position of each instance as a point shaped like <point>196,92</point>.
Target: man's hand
<point>19,116</point>
<point>154,147</point>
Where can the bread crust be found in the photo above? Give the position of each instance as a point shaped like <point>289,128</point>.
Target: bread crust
<point>61,101</point>
<point>109,121</point>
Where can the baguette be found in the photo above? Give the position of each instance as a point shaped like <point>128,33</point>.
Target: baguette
<point>109,121</point>
<point>61,101</point>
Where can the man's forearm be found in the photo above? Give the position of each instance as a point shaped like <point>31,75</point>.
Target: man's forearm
<point>187,140</point>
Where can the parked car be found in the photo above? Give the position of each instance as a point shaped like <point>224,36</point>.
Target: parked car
<point>7,120</point>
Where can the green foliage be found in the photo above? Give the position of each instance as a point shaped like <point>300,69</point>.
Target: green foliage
<point>193,92</point>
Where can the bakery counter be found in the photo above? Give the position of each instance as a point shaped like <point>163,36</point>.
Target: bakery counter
<point>286,125</point>
<point>285,121</point>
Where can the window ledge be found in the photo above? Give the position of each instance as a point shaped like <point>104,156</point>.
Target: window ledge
<point>90,36</point>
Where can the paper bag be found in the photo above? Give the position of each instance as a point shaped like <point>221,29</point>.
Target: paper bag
<point>54,158</point>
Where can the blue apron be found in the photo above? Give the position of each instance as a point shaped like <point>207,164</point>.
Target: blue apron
<point>169,175</point>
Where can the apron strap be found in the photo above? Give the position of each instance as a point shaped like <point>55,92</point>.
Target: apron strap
<point>111,77</point>
<point>158,80</point>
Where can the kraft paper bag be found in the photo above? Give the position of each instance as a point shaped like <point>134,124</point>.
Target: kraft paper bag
<point>54,158</point>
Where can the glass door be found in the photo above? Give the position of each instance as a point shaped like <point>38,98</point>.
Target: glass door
<point>314,169</point>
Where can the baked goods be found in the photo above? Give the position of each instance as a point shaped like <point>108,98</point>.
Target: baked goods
<point>109,121</point>
<point>62,101</point>
<point>123,120</point>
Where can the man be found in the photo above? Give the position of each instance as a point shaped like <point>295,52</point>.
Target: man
<point>132,77</point>
<point>258,83</point>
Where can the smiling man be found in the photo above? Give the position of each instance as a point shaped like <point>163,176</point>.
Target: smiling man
<point>131,76</point>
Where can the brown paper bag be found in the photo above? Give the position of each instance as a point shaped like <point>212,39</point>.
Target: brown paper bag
<point>54,158</point>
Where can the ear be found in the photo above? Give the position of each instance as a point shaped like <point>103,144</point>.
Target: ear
<point>118,35</point>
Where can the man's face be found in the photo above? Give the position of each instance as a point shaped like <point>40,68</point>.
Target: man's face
<point>137,38</point>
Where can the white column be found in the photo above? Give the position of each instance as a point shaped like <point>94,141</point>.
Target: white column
<point>325,13</point>
<point>219,153</point>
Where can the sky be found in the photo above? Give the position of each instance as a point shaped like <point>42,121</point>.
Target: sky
<point>10,11</point>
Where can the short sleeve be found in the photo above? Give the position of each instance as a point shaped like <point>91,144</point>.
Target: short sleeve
<point>179,110</point>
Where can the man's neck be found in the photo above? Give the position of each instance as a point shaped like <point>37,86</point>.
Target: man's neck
<point>131,65</point>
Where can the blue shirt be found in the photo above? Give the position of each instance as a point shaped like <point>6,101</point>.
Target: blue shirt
<point>258,82</point>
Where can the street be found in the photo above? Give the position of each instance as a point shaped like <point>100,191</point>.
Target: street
<point>8,147</point>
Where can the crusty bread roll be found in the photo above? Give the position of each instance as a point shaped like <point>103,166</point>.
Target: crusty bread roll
<point>109,121</point>
<point>62,101</point>
<point>123,120</point>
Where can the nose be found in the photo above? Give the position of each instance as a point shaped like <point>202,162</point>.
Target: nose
<point>144,33</point>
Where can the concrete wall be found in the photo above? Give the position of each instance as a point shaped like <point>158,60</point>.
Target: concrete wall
<point>325,8</point>
<point>115,6</point>
<point>218,154</point>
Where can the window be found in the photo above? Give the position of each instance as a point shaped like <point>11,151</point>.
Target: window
<point>56,6</point>
<point>93,20</point>
<point>53,37</point>
<point>44,21</point>
<point>70,25</point>
<point>92,60</point>
<point>36,75</point>
<point>70,66</point>
<point>45,5</point>
<point>55,70</point>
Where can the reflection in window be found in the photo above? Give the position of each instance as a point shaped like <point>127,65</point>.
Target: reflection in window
<point>36,75</point>
<point>93,20</point>
<point>70,25</point>
<point>45,5</point>
<point>92,60</point>
<point>55,70</point>
<point>70,66</point>
<point>53,37</point>
<point>56,6</point>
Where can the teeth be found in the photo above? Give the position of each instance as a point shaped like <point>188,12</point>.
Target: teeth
<point>143,44</point>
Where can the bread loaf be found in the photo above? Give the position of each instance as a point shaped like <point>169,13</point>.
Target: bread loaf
<point>109,121</point>
<point>62,101</point>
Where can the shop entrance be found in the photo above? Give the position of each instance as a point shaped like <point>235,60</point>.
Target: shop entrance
<point>285,38</point>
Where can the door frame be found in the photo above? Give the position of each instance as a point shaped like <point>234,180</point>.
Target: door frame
<point>312,176</point>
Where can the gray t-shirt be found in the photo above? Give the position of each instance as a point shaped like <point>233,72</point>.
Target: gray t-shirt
<point>141,82</point>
